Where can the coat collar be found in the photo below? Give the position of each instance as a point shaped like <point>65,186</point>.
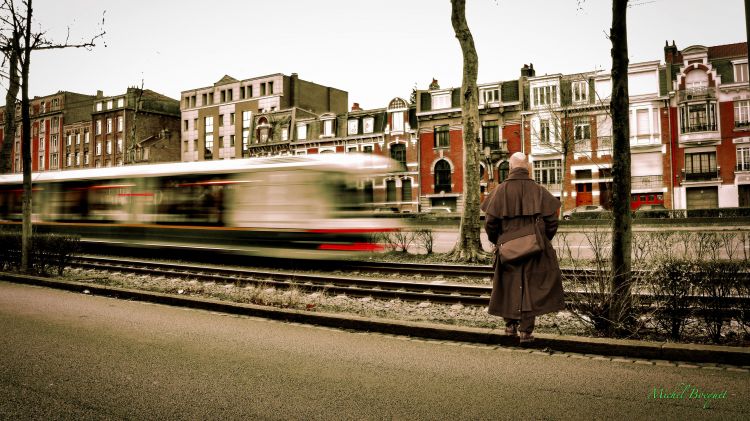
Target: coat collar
<point>519,173</point>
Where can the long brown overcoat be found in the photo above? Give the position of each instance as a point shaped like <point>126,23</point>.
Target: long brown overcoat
<point>533,286</point>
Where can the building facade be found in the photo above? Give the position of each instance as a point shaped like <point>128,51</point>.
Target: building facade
<point>710,125</point>
<point>252,117</point>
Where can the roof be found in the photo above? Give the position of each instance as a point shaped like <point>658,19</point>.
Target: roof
<point>728,50</point>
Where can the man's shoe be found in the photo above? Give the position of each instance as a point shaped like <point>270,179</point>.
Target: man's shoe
<point>526,337</point>
<point>511,330</point>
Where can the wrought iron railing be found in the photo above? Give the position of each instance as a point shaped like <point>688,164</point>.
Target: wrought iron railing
<point>701,175</point>
<point>646,182</point>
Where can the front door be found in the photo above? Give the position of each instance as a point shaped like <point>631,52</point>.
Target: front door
<point>583,194</point>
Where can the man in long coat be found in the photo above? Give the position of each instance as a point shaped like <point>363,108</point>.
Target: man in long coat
<point>523,289</point>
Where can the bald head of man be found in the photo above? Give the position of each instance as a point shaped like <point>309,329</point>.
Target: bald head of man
<point>518,159</point>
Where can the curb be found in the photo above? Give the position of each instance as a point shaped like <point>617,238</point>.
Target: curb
<point>560,343</point>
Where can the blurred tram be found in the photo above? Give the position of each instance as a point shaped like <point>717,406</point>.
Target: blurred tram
<point>293,206</point>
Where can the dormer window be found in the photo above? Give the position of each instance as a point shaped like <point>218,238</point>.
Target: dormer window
<point>441,101</point>
<point>328,128</point>
<point>740,72</point>
<point>368,124</point>
<point>490,95</point>
<point>545,95</point>
<point>301,131</point>
<point>580,91</point>
<point>352,126</point>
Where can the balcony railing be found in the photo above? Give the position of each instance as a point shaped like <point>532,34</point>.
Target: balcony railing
<point>696,93</point>
<point>743,166</point>
<point>701,176</point>
<point>646,182</point>
<point>693,128</point>
<point>582,145</point>
<point>552,187</point>
<point>742,124</point>
<point>496,146</point>
<point>605,142</point>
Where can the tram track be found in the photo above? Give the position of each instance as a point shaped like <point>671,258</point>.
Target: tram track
<point>436,291</point>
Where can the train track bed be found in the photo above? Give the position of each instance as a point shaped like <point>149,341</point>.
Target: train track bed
<point>439,301</point>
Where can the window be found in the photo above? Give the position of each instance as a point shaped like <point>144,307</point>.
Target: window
<point>582,129</point>
<point>301,131</point>
<point>69,140</point>
<point>490,135</point>
<point>209,143</point>
<point>698,117</point>
<point>55,103</point>
<point>242,92</point>
<point>367,149</point>
<point>741,113</point>
<point>502,171</point>
<point>99,106</point>
<point>231,140</point>
<point>119,145</point>
<point>285,133</point>
<point>545,95</point>
<point>398,122</point>
<point>700,166</point>
<point>262,89</point>
<point>442,176</point>
<point>246,119</point>
<point>489,95</point>
<point>398,153</point>
<point>221,120</point>
<point>406,190</point>
<point>98,148</point>
<point>743,158</point>
<point>53,142</point>
<point>352,126</point>
<point>368,124</point>
<point>231,119</point>
<point>230,94</point>
<point>98,127</point>
<point>85,137</point>
<point>442,136</point>
<point>250,91</point>
<point>109,104</point>
<point>544,131</point>
<point>204,99</point>
<point>109,146</point>
<point>580,91</point>
<point>328,128</point>
<point>548,171</point>
<point>740,72</point>
<point>120,121</point>
<point>390,190</point>
<point>195,124</point>
<point>109,125</point>
<point>120,102</point>
<point>53,161</point>
<point>85,159</point>
<point>78,138</point>
<point>69,160</point>
<point>221,142</point>
<point>192,101</point>
<point>440,101</point>
<point>185,128</point>
<point>208,124</point>
<point>270,88</point>
<point>245,139</point>
<point>78,159</point>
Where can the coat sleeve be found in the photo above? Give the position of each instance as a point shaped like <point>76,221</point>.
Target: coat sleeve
<point>492,227</point>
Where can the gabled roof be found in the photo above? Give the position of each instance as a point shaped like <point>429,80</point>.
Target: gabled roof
<point>728,50</point>
<point>226,80</point>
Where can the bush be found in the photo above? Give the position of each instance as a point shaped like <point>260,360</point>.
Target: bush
<point>716,282</point>
<point>672,283</point>
<point>50,252</point>
<point>426,238</point>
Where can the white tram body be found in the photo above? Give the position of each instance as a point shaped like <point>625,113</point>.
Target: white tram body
<point>293,206</point>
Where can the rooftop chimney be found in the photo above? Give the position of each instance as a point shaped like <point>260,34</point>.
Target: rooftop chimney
<point>355,107</point>
<point>670,52</point>
<point>528,70</point>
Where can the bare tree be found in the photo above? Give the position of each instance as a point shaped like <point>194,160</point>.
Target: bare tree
<point>21,43</point>
<point>9,42</point>
<point>622,234</point>
<point>469,246</point>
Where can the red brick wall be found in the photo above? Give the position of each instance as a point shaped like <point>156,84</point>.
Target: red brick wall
<point>512,133</point>
<point>430,155</point>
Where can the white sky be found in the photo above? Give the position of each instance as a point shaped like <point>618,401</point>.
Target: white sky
<point>374,50</point>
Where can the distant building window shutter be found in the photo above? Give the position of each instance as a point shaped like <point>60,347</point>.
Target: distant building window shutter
<point>425,100</point>
<point>456,98</point>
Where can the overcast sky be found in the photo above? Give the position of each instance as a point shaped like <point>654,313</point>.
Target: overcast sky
<point>374,50</point>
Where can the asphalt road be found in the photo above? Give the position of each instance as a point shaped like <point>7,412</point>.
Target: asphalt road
<point>74,356</point>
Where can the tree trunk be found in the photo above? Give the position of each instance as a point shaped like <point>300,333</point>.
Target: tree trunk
<point>620,307</point>
<point>26,146</point>
<point>469,246</point>
<point>11,98</point>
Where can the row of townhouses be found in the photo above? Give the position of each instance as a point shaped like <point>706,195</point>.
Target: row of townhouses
<point>689,131</point>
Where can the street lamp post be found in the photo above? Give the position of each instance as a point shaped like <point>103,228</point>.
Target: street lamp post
<point>488,162</point>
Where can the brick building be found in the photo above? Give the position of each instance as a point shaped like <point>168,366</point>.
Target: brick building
<point>126,127</point>
<point>252,117</point>
<point>710,125</point>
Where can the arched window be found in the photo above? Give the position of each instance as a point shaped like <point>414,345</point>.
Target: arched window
<point>502,171</point>
<point>398,153</point>
<point>442,176</point>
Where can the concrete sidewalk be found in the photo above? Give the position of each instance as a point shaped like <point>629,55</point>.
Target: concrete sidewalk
<point>583,345</point>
